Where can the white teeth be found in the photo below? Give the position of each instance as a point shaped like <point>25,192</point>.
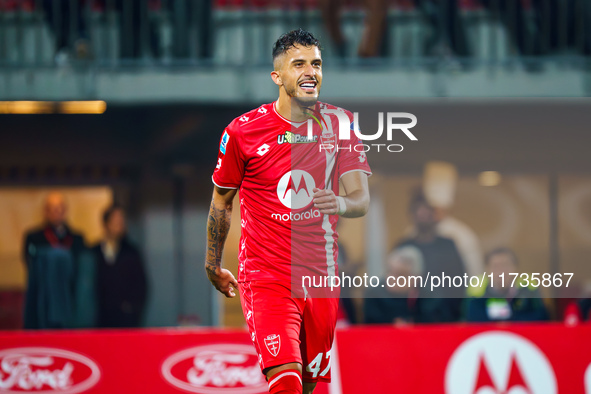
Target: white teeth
<point>308,85</point>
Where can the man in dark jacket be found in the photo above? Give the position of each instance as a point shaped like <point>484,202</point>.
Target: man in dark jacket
<point>440,257</point>
<point>121,279</point>
<point>51,254</point>
<point>54,233</point>
<point>504,303</point>
<point>397,302</point>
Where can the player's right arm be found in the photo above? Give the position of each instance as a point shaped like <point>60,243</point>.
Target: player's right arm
<point>218,226</point>
<point>227,178</point>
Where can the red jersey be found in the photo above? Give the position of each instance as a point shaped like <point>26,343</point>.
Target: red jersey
<point>276,165</point>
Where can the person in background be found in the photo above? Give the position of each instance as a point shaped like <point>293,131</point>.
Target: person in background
<point>584,306</point>
<point>53,255</point>
<point>374,27</point>
<point>68,24</point>
<point>545,27</point>
<point>396,304</point>
<point>121,278</point>
<point>135,27</point>
<point>563,25</point>
<point>513,14</point>
<point>440,256</point>
<point>55,232</point>
<point>504,303</point>
<point>448,36</point>
<point>465,239</point>
<point>140,34</point>
<point>440,184</point>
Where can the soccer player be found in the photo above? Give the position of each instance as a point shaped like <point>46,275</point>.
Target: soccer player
<point>289,204</point>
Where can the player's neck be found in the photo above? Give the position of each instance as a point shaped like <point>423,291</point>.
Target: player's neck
<point>290,110</point>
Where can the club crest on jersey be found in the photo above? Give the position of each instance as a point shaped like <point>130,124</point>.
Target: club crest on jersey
<point>292,138</point>
<point>328,140</point>
<point>224,142</point>
<point>273,343</point>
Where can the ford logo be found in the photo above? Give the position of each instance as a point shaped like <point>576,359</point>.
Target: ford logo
<point>46,370</point>
<point>215,369</point>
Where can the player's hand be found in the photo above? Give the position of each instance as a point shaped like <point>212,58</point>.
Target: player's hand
<point>223,281</point>
<point>325,201</point>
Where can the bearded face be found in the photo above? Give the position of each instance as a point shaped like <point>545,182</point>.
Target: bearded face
<point>300,72</point>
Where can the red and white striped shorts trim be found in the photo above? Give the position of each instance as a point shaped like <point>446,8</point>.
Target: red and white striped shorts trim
<point>282,375</point>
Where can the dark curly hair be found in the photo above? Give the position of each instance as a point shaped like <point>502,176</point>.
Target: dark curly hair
<point>110,211</point>
<point>294,37</point>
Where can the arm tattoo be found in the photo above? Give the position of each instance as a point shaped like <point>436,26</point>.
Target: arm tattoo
<point>218,225</point>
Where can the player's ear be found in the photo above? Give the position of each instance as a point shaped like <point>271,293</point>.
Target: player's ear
<point>276,77</point>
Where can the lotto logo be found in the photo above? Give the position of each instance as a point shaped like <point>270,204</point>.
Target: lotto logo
<point>362,157</point>
<point>262,110</point>
<point>263,149</point>
<point>243,118</point>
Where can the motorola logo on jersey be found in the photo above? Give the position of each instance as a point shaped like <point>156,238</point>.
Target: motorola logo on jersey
<point>295,189</point>
<point>499,363</point>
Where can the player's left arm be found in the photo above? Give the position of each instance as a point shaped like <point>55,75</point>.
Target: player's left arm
<point>353,204</point>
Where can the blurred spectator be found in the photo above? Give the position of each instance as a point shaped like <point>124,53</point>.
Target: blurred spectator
<point>440,181</point>
<point>572,314</point>
<point>188,17</point>
<point>576,310</point>
<point>557,25</point>
<point>497,302</point>
<point>465,239</point>
<point>525,37</point>
<point>139,31</point>
<point>584,306</point>
<point>69,28</point>
<point>134,25</point>
<point>563,24</point>
<point>121,279</point>
<point>448,33</point>
<point>373,34</point>
<point>440,256</point>
<point>51,254</point>
<point>396,304</point>
<point>54,232</point>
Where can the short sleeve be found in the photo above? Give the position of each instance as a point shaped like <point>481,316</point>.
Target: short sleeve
<point>352,156</point>
<point>229,169</point>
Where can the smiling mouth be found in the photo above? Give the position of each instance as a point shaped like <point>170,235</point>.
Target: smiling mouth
<point>308,85</point>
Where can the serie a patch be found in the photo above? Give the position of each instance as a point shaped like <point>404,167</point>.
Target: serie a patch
<point>224,142</point>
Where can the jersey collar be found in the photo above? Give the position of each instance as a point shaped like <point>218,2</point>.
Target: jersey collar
<point>293,124</point>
